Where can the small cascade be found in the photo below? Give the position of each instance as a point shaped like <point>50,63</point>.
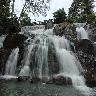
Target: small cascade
<point>25,71</point>
<point>36,59</point>
<point>60,42</point>
<point>11,63</point>
<point>81,33</point>
<point>2,38</point>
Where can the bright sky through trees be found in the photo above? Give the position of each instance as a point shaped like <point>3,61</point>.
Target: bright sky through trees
<point>54,6</point>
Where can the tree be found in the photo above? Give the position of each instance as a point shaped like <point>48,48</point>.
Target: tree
<point>8,18</point>
<point>4,8</point>
<point>59,16</point>
<point>73,10</point>
<point>4,15</point>
<point>36,7</point>
<point>25,20</point>
<point>81,11</point>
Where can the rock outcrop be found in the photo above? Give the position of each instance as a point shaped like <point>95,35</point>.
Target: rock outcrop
<point>14,40</point>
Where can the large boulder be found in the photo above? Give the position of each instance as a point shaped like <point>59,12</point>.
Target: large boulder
<point>23,78</point>
<point>14,40</point>
<point>90,79</point>
<point>62,80</point>
<point>85,45</point>
<point>59,28</point>
<point>66,29</point>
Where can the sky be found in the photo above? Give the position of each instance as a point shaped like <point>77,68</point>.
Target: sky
<point>54,6</point>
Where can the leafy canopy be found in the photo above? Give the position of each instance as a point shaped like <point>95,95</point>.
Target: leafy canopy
<point>59,16</point>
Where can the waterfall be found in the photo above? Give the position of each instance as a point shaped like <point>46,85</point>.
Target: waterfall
<point>2,38</point>
<point>36,59</point>
<point>68,62</point>
<point>81,33</point>
<point>12,62</point>
<point>25,71</point>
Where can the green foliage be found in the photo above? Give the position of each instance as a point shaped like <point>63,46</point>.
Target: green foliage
<point>82,11</point>
<point>59,16</point>
<point>36,7</point>
<point>25,20</point>
<point>9,23</point>
<point>4,8</point>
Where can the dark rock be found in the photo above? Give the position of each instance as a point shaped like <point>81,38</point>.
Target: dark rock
<point>35,80</point>
<point>4,54</point>
<point>23,78</point>
<point>66,29</point>
<point>59,28</point>
<point>85,45</point>
<point>14,40</point>
<point>90,79</point>
<point>61,80</point>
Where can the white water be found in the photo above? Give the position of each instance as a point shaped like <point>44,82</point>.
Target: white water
<point>36,58</point>
<point>2,38</point>
<point>81,33</point>
<point>12,62</point>
<point>68,62</point>
<point>37,49</point>
<point>25,71</point>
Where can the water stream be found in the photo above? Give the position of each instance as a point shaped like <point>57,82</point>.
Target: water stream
<point>35,61</point>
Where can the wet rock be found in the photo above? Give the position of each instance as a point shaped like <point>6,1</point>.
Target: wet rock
<point>90,79</point>
<point>59,28</point>
<point>61,80</point>
<point>85,45</point>
<point>35,80</point>
<point>23,78</point>
<point>66,29</point>
<point>14,40</point>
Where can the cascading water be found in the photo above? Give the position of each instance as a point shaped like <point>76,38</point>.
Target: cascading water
<point>2,38</point>
<point>81,33</point>
<point>11,63</point>
<point>25,71</point>
<point>35,61</point>
<point>69,64</point>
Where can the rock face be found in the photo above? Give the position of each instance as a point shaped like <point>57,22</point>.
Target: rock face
<point>59,28</point>
<point>14,40</point>
<point>66,29</point>
<point>4,54</point>
<point>23,78</point>
<point>61,80</point>
<point>85,45</point>
<point>85,51</point>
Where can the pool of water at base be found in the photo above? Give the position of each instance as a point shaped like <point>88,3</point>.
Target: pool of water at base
<point>14,88</point>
